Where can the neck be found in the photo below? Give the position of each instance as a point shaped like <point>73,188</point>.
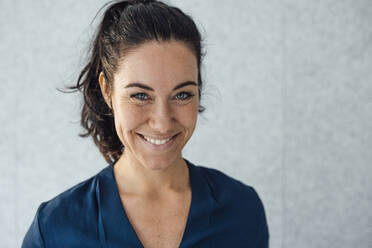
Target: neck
<point>134,178</point>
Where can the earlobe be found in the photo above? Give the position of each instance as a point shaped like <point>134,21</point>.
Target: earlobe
<point>102,82</point>
<point>103,86</point>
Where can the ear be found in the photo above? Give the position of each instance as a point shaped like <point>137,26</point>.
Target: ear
<point>104,89</point>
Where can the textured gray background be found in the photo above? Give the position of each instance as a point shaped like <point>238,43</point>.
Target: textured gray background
<point>289,111</point>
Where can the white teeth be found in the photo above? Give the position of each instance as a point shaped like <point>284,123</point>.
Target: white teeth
<point>156,141</point>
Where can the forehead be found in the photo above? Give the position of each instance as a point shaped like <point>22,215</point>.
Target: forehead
<point>158,61</point>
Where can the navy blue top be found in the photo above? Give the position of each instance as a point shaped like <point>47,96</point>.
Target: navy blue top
<point>224,212</point>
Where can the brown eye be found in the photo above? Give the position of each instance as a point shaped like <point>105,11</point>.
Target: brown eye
<point>140,96</point>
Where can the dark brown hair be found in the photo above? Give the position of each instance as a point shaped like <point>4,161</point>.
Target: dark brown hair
<point>125,26</point>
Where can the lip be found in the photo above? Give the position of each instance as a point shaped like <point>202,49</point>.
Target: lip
<point>162,147</point>
<point>158,137</point>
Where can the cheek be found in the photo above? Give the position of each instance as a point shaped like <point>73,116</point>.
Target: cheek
<point>188,116</point>
<point>127,119</point>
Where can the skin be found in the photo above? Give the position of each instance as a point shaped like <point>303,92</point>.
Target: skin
<point>161,112</point>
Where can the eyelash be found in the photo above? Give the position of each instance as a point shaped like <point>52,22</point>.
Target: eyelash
<point>137,96</point>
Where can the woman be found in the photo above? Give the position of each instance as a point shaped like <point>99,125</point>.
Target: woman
<point>142,89</point>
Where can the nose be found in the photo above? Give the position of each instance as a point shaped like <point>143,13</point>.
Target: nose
<point>161,119</point>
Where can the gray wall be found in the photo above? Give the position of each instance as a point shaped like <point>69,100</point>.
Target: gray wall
<point>288,96</point>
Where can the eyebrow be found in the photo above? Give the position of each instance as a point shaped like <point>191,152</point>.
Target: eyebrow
<point>143,86</point>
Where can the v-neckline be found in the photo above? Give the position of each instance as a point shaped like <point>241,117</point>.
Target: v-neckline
<point>116,224</point>
<point>125,215</point>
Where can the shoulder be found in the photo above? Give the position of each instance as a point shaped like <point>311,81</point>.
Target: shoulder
<point>221,181</point>
<point>73,213</point>
<point>220,178</point>
<point>234,196</point>
<point>70,212</point>
<point>77,196</point>
<point>225,188</point>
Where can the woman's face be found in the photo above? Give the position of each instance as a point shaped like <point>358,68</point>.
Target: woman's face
<point>155,102</point>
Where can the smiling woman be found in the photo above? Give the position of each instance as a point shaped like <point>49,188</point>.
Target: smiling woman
<point>155,118</point>
<point>142,88</point>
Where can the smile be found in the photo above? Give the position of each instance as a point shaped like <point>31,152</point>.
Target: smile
<point>157,141</point>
